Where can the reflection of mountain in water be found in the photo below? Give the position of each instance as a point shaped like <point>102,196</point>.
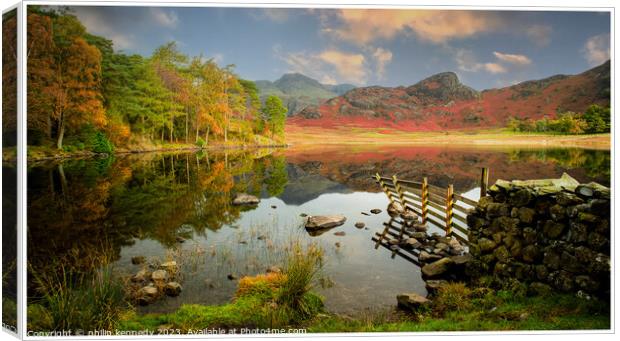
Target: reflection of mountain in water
<point>305,183</point>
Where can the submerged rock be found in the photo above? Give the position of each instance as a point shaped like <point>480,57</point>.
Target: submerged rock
<point>245,199</point>
<point>375,211</point>
<point>339,233</point>
<point>360,225</point>
<point>324,222</point>
<point>138,260</point>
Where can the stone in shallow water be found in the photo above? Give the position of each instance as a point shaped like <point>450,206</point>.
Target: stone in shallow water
<point>325,222</point>
<point>140,276</point>
<point>245,199</point>
<point>360,225</point>
<point>339,233</point>
<point>172,289</point>
<point>375,211</point>
<point>170,265</point>
<point>159,275</point>
<point>437,268</point>
<point>138,260</point>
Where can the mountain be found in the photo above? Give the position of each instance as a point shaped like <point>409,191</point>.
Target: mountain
<point>443,102</point>
<point>298,91</point>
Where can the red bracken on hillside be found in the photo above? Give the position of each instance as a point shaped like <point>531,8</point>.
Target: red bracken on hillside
<point>441,102</point>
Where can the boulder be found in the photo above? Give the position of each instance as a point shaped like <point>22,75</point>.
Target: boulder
<point>426,257</point>
<point>172,289</point>
<point>360,225</point>
<point>437,268</point>
<point>395,209</point>
<point>409,215</point>
<point>375,211</point>
<point>412,301</point>
<point>147,295</point>
<point>433,285</point>
<point>136,260</point>
<point>140,276</point>
<point>245,199</point>
<point>486,245</point>
<point>159,275</point>
<point>324,222</point>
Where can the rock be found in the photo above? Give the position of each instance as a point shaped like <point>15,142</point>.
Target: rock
<point>180,239</point>
<point>526,215</point>
<point>138,260</point>
<point>529,234</point>
<point>261,237</point>
<point>303,215</point>
<point>540,289</point>
<point>231,277</point>
<point>437,268</point>
<point>147,295</point>
<point>486,245</point>
<point>140,276</point>
<point>409,215</point>
<point>394,241</point>
<point>551,259</point>
<point>274,269</point>
<point>360,225</point>
<point>411,301</point>
<point>274,206</point>
<point>325,222</point>
<point>530,253</point>
<point>498,210</point>
<point>394,247</point>
<point>552,229</point>
<point>442,246</point>
<point>557,212</point>
<point>375,211</point>
<point>169,266</point>
<point>412,242</point>
<point>461,260</point>
<point>245,199</point>
<point>426,257</point>
<point>395,209</point>
<point>568,199</point>
<point>433,285</point>
<point>159,275</point>
<point>520,198</point>
<point>339,233</point>
<point>502,254</point>
<point>419,235</point>
<point>172,289</point>
<point>420,227</point>
<point>366,214</point>
<point>337,244</point>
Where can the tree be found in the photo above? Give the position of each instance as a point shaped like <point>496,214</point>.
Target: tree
<point>598,119</point>
<point>275,114</point>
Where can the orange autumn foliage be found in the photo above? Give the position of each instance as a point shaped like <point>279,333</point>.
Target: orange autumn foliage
<point>259,283</point>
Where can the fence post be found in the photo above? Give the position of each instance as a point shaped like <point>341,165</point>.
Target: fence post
<point>399,190</point>
<point>384,188</point>
<point>449,206</point>
<point>484,182</point>
<point>424,198</point>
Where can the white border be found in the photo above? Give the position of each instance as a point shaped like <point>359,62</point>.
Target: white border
<point>541,5</point>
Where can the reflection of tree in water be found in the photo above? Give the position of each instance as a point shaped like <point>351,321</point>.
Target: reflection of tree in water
<point>595,163</point>
<point>75,205</point>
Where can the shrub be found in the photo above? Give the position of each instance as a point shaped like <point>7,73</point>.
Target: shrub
<point>101,144</point>
<point>452,297</point>
<point>200,142</point>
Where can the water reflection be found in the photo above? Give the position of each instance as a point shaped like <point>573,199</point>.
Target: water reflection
<point>86,213</point>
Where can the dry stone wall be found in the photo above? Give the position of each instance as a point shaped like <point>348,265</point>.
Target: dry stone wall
<point>549,234</point>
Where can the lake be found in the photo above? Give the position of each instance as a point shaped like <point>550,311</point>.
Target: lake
<point>85,213</point>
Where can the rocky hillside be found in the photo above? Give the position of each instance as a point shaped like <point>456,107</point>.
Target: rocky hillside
<point>298,91</point>
<point>442,102</point>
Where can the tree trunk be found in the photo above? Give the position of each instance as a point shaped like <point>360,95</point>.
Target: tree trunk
<point>61,132</point>
<point>187,128</point>
<point>207,136</point>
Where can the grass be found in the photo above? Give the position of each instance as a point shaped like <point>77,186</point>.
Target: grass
<point>458,308</point>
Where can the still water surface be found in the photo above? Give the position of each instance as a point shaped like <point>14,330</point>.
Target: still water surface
<point>88,212</point>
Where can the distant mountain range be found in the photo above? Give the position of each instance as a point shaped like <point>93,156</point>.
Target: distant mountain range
<point>442,102</point>
<point>298,91</point>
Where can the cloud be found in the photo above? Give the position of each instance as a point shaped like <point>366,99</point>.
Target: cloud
<point>165,18</point>
<point>539,34</point>
<point>596,49</point>
<point>329,66</point>
<point>466,61</point>
<point>96,24</point>
<point>518,59</point>
<point>363,26</point>
<point>382,57</point>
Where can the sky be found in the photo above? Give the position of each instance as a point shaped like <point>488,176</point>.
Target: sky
<point>388,47</point>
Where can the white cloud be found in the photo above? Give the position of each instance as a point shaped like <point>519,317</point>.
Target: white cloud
<point>518,59</point>
<point>466,61</point>
<point>596,49</point>
<point>382,57</point>
<point>329,66</point>
<point>163,17</point>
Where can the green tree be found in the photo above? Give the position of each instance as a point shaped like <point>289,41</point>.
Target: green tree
<point>275,114</point>
<point>598,119</point>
